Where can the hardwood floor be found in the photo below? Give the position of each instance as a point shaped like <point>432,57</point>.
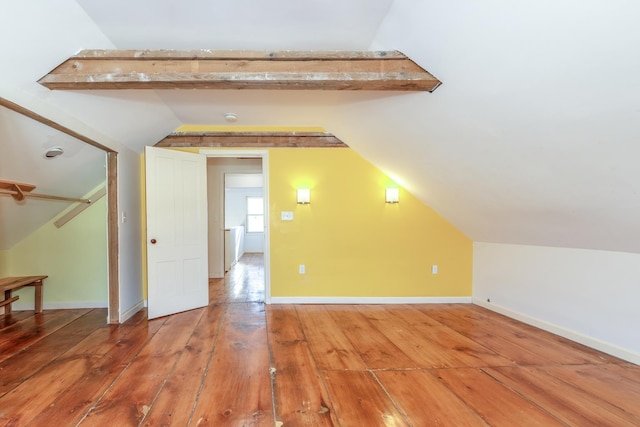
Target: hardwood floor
<point>234,363</point>
<point>243,283</point>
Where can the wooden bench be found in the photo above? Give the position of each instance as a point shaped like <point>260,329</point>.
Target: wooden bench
<point>9,284</point>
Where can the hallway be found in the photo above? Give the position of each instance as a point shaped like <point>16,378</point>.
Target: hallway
<point>244,282</point>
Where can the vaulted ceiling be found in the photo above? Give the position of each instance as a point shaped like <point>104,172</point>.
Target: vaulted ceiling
<point>532,138</point>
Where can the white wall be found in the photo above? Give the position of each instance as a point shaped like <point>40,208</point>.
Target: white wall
<point>586,295</point>
<point>236,215</point>
<point>129,233</point>
<point>234,246</point>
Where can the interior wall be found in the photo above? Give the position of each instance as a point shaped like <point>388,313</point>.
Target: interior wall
<point>351,242</point>
<point>73,256</point>
<point>236,215</point>
<point>130,229</point>
<point>217,167</point>
<point>4,263</point>
<point>586,295</point>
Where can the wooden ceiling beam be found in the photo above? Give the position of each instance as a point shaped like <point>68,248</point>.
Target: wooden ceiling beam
<point>47,122</point>
<point>252,139</point>
<point>210,69</point>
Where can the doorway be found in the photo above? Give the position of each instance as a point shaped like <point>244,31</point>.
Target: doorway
<point>233,177</point>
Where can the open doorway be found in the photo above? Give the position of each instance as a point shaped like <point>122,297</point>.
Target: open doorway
<point>238,246</point>
<point>243,236</point>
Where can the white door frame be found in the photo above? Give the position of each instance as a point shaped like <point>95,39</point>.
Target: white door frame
<point>264,155</point>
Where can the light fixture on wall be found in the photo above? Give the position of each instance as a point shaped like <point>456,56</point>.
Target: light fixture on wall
<point>304,196</point>
<point>391,195</point>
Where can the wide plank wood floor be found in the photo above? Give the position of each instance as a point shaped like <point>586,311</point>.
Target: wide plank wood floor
<point>239,363</point>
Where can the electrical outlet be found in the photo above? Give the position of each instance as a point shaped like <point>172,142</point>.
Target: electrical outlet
<point>302,269</point>
<point>434,269</point>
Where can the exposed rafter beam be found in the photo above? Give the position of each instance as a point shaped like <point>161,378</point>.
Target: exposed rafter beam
<point>207,69</point>
<point>45,121</point>
<point>251,139</point>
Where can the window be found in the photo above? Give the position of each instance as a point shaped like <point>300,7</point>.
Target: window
<point>255,215</point>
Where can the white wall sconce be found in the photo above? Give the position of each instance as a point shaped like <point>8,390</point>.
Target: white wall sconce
<point>304,196</point>
<point>391,195</point>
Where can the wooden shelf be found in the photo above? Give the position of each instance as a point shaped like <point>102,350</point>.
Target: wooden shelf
<point>17,190</point>
<point>20,191</point>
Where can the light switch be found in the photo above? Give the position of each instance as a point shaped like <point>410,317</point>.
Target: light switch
<point>286,216</point>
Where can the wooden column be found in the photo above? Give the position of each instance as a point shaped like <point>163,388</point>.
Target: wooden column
<point>112,228</point>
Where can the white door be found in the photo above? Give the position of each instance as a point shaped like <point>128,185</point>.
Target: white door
<point>177,269</point>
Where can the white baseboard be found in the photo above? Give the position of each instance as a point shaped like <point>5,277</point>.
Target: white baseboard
<point>130,312</point>
<point>578,337</point>
<point>370,300</point>
<point>59,305</point>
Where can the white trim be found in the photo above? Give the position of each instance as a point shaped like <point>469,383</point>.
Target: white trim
<point>60,305</point>
<point>595,343</point>
<point>266,250</point>
<point>371,300</point>
<point>264,155</point>
<point>133,310</point>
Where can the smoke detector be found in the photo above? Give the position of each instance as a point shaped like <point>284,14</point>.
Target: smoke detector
<point>231,117</point>
<point>53,152</point>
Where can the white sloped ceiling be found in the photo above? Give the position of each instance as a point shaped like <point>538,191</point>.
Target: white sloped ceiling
<point>533,137</point>
<point>23,144</point>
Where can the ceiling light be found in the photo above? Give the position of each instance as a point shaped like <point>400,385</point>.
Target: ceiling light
<point>53,152</point>
<point>231,117</point>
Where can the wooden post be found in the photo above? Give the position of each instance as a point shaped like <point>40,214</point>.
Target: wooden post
<point>38,296</point>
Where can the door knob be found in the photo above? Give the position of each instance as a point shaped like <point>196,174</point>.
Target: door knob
<point>153,241</point>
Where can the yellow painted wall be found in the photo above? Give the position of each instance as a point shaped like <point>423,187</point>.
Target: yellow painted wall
<point>73,256</point>
<point>4,263</point>
<point>209,128</point>
<point>351,242</point>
